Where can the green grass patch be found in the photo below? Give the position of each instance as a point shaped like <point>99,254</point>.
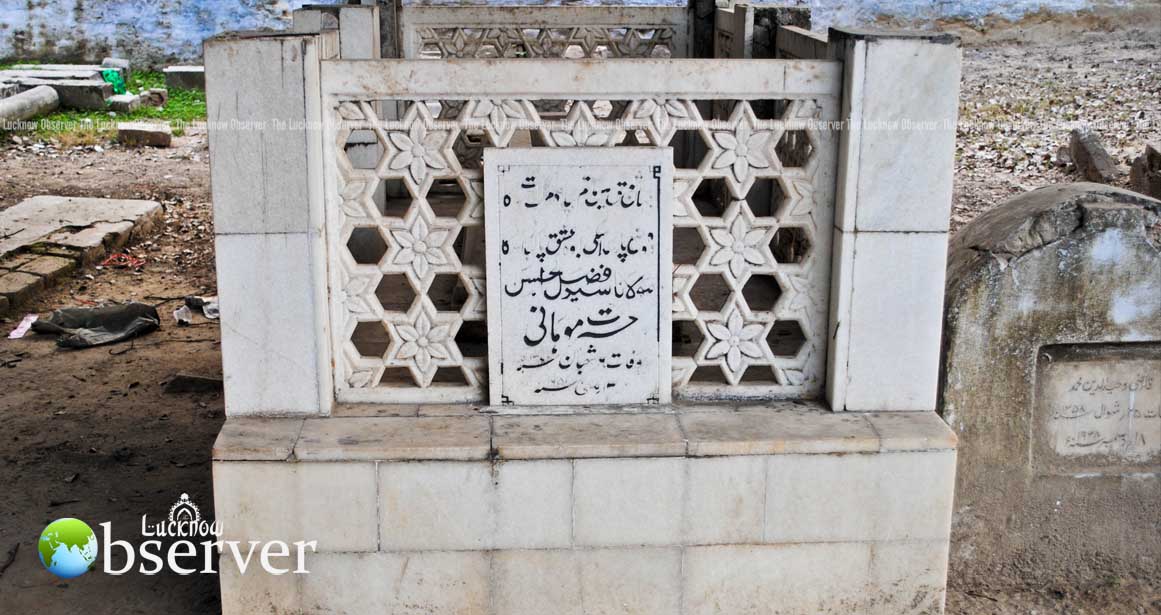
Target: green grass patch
<point>73,127</point>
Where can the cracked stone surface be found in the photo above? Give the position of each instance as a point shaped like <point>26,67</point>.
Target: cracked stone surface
<point>69,232</point>
<point>37,218</point>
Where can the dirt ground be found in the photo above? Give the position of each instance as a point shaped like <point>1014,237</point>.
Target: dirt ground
<point>93,434</point>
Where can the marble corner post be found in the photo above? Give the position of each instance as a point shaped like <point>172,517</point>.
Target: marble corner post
<point>358,26</point>
<point>892,210</point>
<point>266,179</point>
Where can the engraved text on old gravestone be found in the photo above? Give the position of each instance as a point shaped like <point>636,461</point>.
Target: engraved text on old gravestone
<point>579,275</point>
<point>1101,400</point>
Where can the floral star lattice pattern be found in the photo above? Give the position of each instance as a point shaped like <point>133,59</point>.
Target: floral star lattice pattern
<point>546,42</point>
<point>737,304</point>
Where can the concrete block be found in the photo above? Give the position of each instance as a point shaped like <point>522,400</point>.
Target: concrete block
<point>435,506</point>
<point>256,439</point>
<point>332,503</point>
<point>590,435</point>
<point>886,496</point>
<point>271,325</point>
<point>19,287</point>
<point>533,505</point>
<point>185,77</point>
<point>75,72</point>
<point>890,305</point>
<point>135,134</point>
<point>83,94</point>
<point>411,583</point>
<point>628,501</point>
<point>791,579</point>
<point>388,438</point>
<point>121,64</point>
<point>639,580</point>
<point>51,268</point>
<point>124,103</point>
<point>726,501</point>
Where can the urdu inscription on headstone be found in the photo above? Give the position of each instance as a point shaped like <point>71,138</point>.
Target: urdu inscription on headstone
<point>579,258</point>
<point>1101,401</point>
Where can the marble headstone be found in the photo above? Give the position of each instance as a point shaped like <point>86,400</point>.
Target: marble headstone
<point>579,256</point>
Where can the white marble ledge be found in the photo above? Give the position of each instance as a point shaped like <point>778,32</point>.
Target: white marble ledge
<point>468,436</point>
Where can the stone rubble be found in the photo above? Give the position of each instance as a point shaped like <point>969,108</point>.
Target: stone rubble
<point>155,97</point>
<point>1145,173</point>
<point>1092,162</point>
<point>123,103</point>
<point>185,77</point>
<point>149,134</point>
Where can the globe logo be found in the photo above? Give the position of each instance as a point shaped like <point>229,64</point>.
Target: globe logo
<point>67,547</point>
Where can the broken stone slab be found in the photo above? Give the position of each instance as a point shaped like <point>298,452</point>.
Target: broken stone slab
<point>123,103</point>
<point>18,287</point>
<point>95,241</point>
<point>73,68</point>
<point>62,71</point>
<point>135,134</point>
<point>83,94</point>
<point>185,77</point>
<point>1092,161</point>
<point>155,97</point>
<point>120,64</point>
<point>1145,174</point>
<point>34,221</point>
<point>12,262</point>
<point>8,89</point>
<point>50,268</point>
<point>32,103</point>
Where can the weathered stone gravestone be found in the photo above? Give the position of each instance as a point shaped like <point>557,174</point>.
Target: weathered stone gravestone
<point>1052,376</point>
<point>580,244</point>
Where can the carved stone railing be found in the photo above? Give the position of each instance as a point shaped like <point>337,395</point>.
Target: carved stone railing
<point>337,245</point>
<point>432,32</point>
<point>752,214</point>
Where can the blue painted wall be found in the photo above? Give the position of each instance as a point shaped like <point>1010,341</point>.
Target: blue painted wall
<point>146,31</point>
<point>169,31</point>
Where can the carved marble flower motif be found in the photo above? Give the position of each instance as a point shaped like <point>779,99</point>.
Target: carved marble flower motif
<point>733,340</point>
<point>742,149</point>
<point>740,246</point>
<point>421,247</point>
<point>420,151</point>
<point>424,342</point>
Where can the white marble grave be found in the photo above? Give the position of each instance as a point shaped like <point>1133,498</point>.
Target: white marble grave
<point>579,250</point>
